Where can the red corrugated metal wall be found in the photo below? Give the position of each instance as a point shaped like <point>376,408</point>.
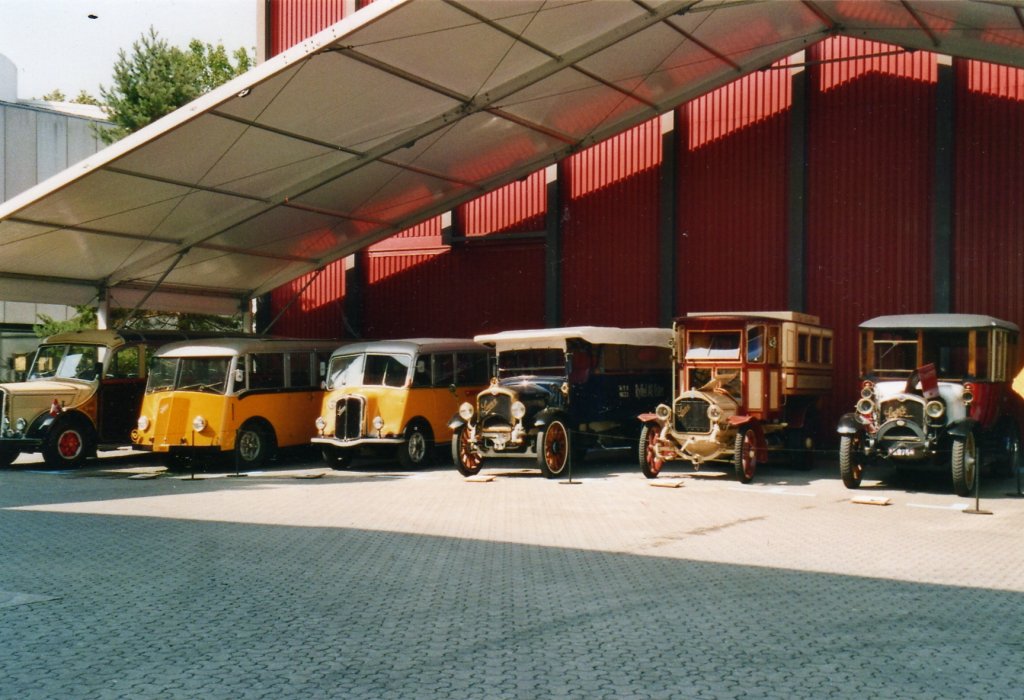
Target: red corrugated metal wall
<point>988,254</point>
<point>731,242</point>
<point>610,231</point>
<point>291,21</point>
<point>869,181</point>
<point>318,312</point>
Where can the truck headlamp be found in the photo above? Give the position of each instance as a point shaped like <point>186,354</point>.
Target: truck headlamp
<point>199,424</point>
<point>320,423</point>
<point>20,425</point>
<point>935,409</point>
<point>663,412</point>
<point>143,423</point>
<point>466,411</point>
<point>518,410</point>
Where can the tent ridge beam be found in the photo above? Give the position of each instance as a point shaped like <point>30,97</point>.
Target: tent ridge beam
<point>919,21</point>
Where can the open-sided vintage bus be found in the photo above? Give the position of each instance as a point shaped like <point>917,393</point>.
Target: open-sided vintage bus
<point>397,396</point>
<point>560,391</point>
<point>83,393</point>
<point>246,396</point>
<point>747,383</point>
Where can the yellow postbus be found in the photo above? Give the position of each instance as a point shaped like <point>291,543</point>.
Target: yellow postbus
<point>246,396</point>
<point>397,396</point>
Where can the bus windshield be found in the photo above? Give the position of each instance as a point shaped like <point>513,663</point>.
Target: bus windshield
<point>205,374</point>
<point>67,362</point>
<point>368,370</point>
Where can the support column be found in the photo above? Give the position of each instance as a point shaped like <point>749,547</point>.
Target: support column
<point>667,203</point>
<point>796,191</point>
<point>553,248</point>
<point>942,197</point>
<point>352,305</point>
<point>103,309</point>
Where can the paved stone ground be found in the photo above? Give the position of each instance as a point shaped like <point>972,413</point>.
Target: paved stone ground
<point>378,583</point>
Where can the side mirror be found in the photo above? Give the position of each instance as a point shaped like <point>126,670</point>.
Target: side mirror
<point>452,388</point>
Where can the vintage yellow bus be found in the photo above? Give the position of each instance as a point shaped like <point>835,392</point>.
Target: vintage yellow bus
<point>240,396</point>
<point>396,396</point>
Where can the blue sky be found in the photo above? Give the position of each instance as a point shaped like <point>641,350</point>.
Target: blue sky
<point>55,44</point>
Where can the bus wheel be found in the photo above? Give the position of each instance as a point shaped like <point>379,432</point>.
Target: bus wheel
<point>650,461</point>
<point>744,460</point>
<point>253,446</point>
<point>417,448</point>
<point>337,457</point>
<point>965,465</point>
<point>67,444</point>
<point>467,460</point>
<point>850,468</point>
<point>553,453</point>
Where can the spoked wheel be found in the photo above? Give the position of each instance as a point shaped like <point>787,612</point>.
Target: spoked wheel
<point>417,448</point>
<point>850,467</point>
<point>650,461</point>
<point>553,449</point>
<point>744,460</point>
<point>253,446</point>
<point>467,460</point>
<point>67,444</point>
<point>965,464</point>
<point>337,457</point>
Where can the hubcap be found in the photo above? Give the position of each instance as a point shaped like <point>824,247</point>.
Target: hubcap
<point>554,448</point>
<point>417,446</point>
<point>249,445</point>
<point>69,444</point>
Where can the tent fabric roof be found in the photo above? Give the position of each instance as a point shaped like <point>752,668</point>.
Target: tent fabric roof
<point>400,112</point>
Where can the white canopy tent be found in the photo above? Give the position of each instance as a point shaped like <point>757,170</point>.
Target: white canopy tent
<point>401,112</point>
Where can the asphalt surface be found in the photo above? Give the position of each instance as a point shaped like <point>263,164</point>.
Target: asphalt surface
<point>120,581</point>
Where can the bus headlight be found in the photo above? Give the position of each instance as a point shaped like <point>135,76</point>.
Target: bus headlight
<point>466,411</point>
<point>518,410</point>
<point>320,423</point>
<point>378,423</point>
<point>935,409</point>
<point>199,424</point>
<point>143,423</point>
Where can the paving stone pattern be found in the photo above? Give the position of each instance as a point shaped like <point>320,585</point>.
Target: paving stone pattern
<point>431,587</point>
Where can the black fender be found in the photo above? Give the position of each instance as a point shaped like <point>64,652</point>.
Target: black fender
<point>549,415</point>
<point>961,428</point>
<point>42,424</point>
<point>849,425</point>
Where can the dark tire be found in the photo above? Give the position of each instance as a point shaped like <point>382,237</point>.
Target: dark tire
<point>254,445</point>
<point>554,453</point>
<point>7,457</point>
<point>337,457</point>
<point>965,465</point>
<point>850,468</point>
<point>418,447</point>
<point>67,444</point>
<point>177,462</point>
<point>744,459</point>
<point>650,461</point>
<point>465,458</point>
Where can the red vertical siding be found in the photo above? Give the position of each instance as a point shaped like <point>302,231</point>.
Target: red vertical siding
<point>318,312</point>
<point>515,208</point>
<point>731,241</point>
<point>458,293</point>
<point>869,179</point>
<point>610,231</point>
<point>988,257</point>
<point>291,21</point>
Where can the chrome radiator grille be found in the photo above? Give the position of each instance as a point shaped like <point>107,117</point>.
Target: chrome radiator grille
<point>495,409</point>
<point>910,410</point>
<point>348,419</point>
<point>691,416</point>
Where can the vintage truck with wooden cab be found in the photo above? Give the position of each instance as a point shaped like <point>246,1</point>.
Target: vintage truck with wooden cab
<point>744,385</point>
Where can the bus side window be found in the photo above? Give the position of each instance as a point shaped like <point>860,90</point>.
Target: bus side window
<point>471,368</point>
<point>125,363</point>
<point>421,372</point>
<point>266,371</point>
<point>444,369</point>
<point>299,366</point>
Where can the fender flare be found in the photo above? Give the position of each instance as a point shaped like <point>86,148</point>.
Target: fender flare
<point>456,422</point>
<point>649,418</point>
<point>548,415</point>
<point>960,428</point>
<point>849,425</point>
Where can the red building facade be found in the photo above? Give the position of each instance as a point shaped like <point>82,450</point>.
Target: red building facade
<point>853,180</point>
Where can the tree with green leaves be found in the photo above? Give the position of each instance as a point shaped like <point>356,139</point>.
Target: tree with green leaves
<point>83,98</point>
<point>156,78</point>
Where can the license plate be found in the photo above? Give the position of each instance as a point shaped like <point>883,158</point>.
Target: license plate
<point>903,452</point>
